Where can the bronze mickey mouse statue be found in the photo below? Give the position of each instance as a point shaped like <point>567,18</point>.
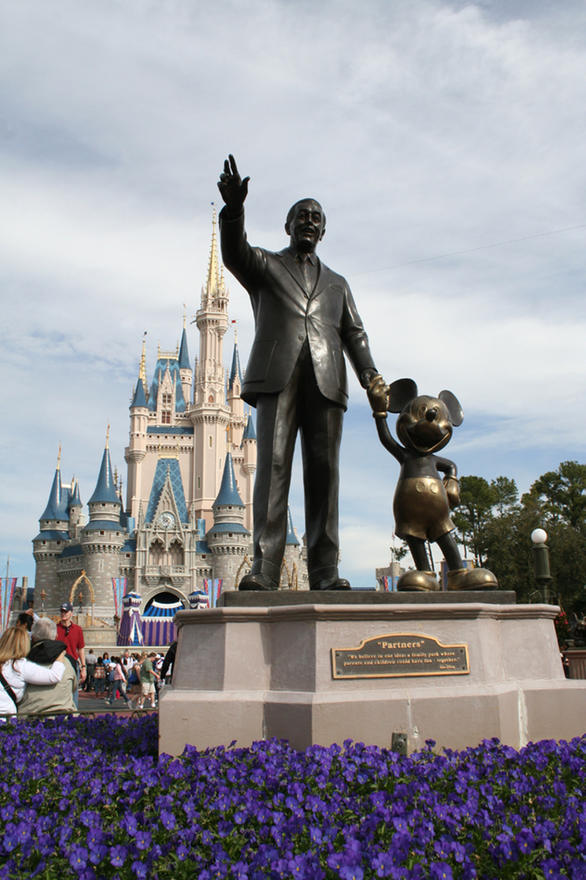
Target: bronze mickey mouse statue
<point>422,499</point>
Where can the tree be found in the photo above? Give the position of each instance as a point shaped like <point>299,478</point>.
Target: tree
<point>506,494</point>
<point>497,529</point>
<point>474,512</point>
<point>562,494</point>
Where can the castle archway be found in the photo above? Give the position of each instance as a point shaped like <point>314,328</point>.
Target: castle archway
<point>77,592</point>
<point>164,594</point>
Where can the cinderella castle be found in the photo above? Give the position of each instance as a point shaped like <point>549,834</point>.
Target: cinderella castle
<point>186,526</point>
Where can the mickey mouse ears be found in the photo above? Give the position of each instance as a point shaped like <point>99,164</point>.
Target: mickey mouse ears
<point>400,393</point>
<point>454,408</point>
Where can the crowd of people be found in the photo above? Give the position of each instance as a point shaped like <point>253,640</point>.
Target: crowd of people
<point>134,678</point>
<point>43,665</point>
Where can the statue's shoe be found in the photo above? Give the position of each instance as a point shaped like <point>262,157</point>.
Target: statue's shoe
<point>332,584</point>
<point>471,579</point>
<point>255,582</point>
<point>418,581</point>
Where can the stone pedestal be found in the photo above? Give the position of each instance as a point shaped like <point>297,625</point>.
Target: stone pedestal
<point>249,671</point>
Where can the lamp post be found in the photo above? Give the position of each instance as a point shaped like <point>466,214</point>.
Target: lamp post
<point>541,558</point>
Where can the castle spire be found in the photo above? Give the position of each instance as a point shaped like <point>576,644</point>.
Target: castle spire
<point>214,283</point>
<point>139,398</point>
<point>75,498</point>
<point>228,494</point>
<point>184,362</point>
<point>235,371</point>
<point>105,491</point>
<point>55,508</point>
<point>142,368</point>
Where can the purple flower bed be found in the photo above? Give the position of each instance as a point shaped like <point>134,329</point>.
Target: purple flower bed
<point>90,799</point>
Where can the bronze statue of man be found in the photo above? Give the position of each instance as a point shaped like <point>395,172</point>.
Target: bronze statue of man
<point>305,319</point>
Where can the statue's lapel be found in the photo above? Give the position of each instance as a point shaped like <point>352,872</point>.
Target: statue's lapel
<point>294,269</point>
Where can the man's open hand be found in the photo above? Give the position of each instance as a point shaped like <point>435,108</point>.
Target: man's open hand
<point>232,188</point>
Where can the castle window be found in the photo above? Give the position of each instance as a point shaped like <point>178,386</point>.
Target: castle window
<point>101,533</point>
<point>167,399</point>
<point>166,417</point>
<point>211,441</point>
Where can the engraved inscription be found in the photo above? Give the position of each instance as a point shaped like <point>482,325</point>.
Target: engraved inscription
<point>399,654</point>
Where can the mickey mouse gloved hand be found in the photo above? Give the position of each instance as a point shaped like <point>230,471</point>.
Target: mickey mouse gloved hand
<point>378,397</point>
<point>452,487</point>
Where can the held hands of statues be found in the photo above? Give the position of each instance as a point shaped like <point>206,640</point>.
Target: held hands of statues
<point>452,487</point>
<point>232,188</point>
<point>378,392</point>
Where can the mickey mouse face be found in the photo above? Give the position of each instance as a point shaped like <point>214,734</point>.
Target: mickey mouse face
<point>425,424</point>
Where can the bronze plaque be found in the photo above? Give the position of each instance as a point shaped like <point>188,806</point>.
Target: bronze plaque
<point>397,655</point>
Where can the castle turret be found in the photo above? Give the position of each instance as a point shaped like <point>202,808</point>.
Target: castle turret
<point>136,449</point>
<point>52,539</point>
<point>185,370</point>
<point>235,402</point>
<point>103,537</point>
<point>248,467</point>
<point>228,539</point>
<point>210,414</point>
<point>75,509</point>
<point>290,568</point>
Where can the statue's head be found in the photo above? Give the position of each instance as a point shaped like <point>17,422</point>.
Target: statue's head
<point>305,224</point>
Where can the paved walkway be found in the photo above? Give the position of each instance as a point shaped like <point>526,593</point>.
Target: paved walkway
<point>89,702</point>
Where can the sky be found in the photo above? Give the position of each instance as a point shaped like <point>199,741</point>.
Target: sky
<point>445,141</point>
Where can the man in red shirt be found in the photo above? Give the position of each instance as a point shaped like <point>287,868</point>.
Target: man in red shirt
<point>72,635</point>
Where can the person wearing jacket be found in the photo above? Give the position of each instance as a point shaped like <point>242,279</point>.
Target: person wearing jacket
<point>16,671</point>
<point>56,698</point>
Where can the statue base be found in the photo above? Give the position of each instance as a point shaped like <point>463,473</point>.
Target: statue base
<point>368,666</point>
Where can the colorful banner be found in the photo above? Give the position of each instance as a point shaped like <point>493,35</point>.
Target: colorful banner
<point>389,584</point>
<point>213,588</point>
<point>119,590</point>
<point>130,632</point>
<point>7,588</point>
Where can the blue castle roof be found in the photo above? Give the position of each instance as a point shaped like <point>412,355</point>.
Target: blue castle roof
<point>183,353</point>
<point>235,370</point>
<point>103,525</point>
<point>52,535</point>
<point>139,398</point>
<point>72,550</point>
<point>105,491</point>
<point>228,494</point>
<point>167,466</point>
<point>161,367</point>
<point>58,501</point>
<point>74,498</point>
<point>291,536</point>
<point>249,431</point>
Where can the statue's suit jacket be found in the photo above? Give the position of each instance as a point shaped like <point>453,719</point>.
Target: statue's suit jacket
<point>286,315</point>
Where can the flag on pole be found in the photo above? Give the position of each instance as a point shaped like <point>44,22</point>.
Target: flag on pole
<point>7,588</point>
<point>389,583</point>
<point>119,590</point>
<point>213,588</point>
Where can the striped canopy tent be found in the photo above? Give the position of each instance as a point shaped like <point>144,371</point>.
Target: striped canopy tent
<point>198,599</point>
<point>130,632</point>
<point>157,622</point>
